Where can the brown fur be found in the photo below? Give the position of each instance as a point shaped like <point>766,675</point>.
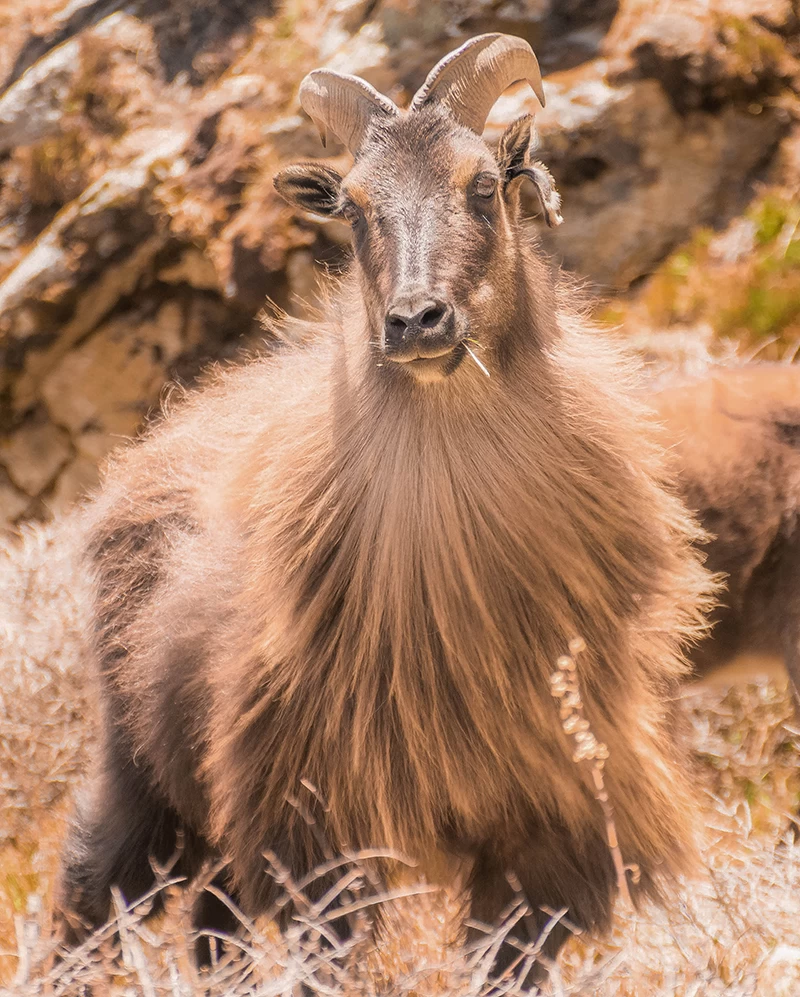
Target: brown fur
<point>322,569</point>
<point>735,433</point>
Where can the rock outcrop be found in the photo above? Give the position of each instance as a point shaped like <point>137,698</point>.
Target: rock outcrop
<point>140,235</point>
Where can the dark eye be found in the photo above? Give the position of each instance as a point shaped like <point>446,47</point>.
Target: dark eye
<point>351,212</point>
<point>484,185</point>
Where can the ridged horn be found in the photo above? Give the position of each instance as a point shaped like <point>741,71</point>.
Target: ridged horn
<point>342,104</point>
<point>470,79</point>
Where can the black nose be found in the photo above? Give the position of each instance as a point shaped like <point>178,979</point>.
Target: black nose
<point>418,327</point>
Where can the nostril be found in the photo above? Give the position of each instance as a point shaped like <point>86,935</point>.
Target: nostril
<point>396,324</point>
<point>431,317</point>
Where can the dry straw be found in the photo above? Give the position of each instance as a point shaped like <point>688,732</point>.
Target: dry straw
<point>589,752</point>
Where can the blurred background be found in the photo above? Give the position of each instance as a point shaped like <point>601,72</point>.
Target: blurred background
<point>140,233</point>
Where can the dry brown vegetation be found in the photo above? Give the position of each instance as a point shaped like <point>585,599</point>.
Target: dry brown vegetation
<point>733,931</point>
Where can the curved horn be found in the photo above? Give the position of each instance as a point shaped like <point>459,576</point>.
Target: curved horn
<point>470,80</point>
<point>343,105</point>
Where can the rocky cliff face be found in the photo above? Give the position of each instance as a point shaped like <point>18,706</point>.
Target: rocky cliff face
<point>140,235</point>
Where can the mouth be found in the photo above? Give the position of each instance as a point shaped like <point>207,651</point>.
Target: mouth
<point>434,368</point>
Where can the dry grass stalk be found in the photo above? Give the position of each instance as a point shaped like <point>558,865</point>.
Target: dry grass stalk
<point>565,689</point>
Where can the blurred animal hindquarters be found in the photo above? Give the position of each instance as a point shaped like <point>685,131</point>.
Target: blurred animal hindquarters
<point>735,434</point>
<point>352,566</point>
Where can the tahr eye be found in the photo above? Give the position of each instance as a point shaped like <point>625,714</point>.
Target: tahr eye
<point>351,212</point>
<point>484,185</point>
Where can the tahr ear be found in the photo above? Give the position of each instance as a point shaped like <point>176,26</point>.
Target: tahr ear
<point>514,159</point>
<point>514,150</point>
<point>310,186</point>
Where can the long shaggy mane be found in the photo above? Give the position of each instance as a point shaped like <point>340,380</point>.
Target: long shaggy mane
<point>329,604</point>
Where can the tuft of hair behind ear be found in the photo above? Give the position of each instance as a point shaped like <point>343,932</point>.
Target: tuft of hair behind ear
<point>313,187</point>
<point>549,198</point>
